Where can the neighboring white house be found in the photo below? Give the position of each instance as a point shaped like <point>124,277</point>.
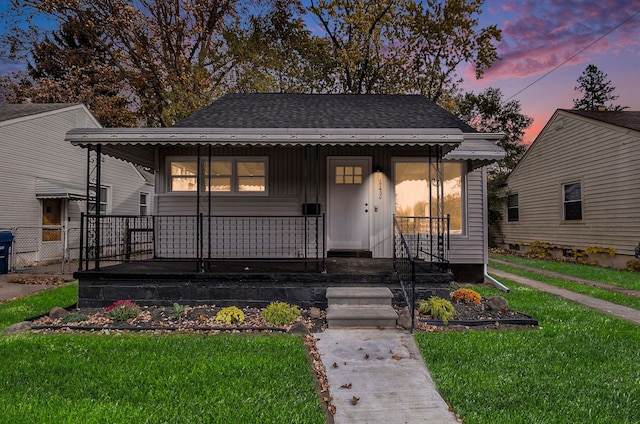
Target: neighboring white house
<point>578,187</point>
<point>43,181</point>
<point>248,159</point>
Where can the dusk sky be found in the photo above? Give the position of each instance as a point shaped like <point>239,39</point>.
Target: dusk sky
<point>540,35</point>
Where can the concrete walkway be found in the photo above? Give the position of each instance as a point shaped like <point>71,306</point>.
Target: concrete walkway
<point>379,376</point>
<point>619,311</point>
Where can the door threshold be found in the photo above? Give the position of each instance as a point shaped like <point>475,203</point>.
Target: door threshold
<point>349,253</point>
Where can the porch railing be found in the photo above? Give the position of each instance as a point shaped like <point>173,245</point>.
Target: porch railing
<point>121,238</point>
<point>418,242</point>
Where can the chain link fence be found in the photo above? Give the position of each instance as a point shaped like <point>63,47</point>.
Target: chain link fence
<point>44,250</point>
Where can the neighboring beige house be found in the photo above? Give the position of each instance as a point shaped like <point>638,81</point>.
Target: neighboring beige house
<point>578,187</point>
<point>43,181</point>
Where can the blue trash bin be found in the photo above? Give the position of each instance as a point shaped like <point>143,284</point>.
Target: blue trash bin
<point>6,239</point>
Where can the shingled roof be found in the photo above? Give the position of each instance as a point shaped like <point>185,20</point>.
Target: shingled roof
<point>279,110</point>
<point>625,118</point>
<point>19,110</point>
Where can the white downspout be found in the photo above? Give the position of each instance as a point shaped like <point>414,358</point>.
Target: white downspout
<point>485,215</point>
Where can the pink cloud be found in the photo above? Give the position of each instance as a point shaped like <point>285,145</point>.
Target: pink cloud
<point>540,35</point>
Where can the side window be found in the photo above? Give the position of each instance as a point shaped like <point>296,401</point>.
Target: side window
<point>104,201</point>
<point>513,211</point>
<point>144,203</point>
<point>572,201</point>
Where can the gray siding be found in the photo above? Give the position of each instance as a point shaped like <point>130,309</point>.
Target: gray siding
<point>605,159</point>
<point>469,248</point>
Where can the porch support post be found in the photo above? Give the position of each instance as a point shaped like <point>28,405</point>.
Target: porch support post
<point>305,206</point>
<point>199,246</point>
<point>317,189</point>
<point>98,201</point>
<point>208,173</point>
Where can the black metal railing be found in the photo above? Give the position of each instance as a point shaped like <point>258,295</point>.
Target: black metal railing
<point>427,237</point>
<point>419,242</point>
<point>121,238</point>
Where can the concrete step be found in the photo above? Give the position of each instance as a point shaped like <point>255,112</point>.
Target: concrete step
<point>359,296</point>
<point>360,307</point>
<point>361,316</point>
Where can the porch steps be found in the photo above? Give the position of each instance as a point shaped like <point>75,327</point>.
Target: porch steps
<point>360,307</point>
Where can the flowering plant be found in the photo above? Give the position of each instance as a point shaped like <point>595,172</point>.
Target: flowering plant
<point>466,296</point>
<point>123,310</point>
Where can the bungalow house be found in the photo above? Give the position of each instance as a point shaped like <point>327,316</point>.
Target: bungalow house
<point>42,182</point>
<point>576,189</point>
<point>292,180</point>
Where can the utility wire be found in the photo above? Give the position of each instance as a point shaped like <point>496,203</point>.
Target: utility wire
<point>576,54</point>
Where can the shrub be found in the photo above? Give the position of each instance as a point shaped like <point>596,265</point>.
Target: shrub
<point>178,310</point>
<point>280,313</point>
<point>123,310</point>
<point>466,296</point>
<point>538,250</point>
<point>230,315</point>
<point>74,317</point>
<point>438,308</point>
<point>633,265</point>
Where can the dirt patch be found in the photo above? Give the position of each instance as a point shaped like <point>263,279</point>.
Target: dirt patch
<point>39,279</point>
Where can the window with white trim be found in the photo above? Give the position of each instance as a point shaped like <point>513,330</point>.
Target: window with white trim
<point>572,201</point>
<point>220,175</point>
<point>104,201</point>
<point>513,208</point>
<point>144,203</point>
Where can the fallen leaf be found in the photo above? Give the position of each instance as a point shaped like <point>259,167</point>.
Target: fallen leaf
<point>327,399</point>
<point>354,400</point>
<point>335,365</point>
<point>397,357</point>
<point>346,386</point>
<point>380,358</point>
<point>366,356</point>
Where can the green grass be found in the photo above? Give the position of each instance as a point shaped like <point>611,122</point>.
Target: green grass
<point>580,366</point>
<point>598,293</point>
<point>156,379</point>
<point>37,304</point>
<point>625,279</point>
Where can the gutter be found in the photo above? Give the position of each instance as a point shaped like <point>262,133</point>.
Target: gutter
<point>497,284</point>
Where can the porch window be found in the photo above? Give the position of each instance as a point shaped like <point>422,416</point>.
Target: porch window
<point>572,201</point>
<point>411,180</point>
<point>220,175</point>
<point>184,175</point>
<point>513,210</point>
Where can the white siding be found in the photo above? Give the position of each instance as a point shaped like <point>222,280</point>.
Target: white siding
<point>605,159</point>
<point>35,147</point>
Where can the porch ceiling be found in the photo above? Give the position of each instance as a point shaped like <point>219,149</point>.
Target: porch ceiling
<point>138,145</point>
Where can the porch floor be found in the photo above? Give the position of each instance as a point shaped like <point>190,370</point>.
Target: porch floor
<point>338,265</point>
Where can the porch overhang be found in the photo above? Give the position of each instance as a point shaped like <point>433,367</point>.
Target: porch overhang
<point>478,150</point>
<point>138,145</point>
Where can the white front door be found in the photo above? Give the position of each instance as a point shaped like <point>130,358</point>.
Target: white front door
<point>349,203</point>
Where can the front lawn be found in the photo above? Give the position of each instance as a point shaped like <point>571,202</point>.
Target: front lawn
<point>84,378</point>
<point>37,304</point>
<point>580,366</point>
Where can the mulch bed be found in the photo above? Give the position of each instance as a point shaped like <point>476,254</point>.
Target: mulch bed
<point>202,319</point>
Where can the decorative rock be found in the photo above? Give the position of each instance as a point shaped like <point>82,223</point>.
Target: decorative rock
<point>18,328</point>
<point>314,313</point>
<point>404,319</point>
<point>299,327</point>
<point>57,313</point>
<point>498,303</point>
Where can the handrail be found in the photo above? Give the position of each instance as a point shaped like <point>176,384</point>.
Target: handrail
<point>403,273</point>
